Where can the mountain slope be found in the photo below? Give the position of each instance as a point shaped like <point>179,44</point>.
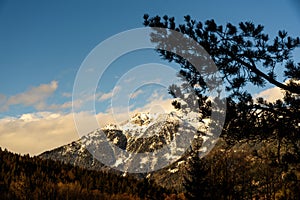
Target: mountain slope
<point>142,134</point>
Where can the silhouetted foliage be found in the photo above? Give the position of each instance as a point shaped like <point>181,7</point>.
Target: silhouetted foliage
<point>244,55</point>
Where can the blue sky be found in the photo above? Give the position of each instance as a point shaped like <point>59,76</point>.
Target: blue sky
<point>43,43</point>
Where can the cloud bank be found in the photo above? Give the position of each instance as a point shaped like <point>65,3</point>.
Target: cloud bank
<point>37,132</point>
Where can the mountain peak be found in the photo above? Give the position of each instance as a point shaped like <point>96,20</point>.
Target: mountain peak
<point>141,118</point>
<point>111,127</point>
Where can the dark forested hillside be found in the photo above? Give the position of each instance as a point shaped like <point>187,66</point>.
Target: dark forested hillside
<point>23,177</point>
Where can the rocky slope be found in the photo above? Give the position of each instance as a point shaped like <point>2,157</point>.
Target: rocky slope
<point>144,134</point>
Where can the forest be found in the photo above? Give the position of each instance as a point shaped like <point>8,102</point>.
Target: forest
<point>25,177</point>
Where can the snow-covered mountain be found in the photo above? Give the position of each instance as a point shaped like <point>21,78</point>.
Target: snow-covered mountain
<point>132,146</point>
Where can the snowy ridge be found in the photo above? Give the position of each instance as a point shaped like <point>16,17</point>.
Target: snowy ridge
<point>144,132</point>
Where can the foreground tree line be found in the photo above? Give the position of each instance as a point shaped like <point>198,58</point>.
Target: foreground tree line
<point>246,170</point>
<point>24,177</point>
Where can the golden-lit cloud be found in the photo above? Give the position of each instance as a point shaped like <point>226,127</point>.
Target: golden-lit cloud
<point>34,133</point>
<point>35,96</point>
<point>136,94</point>
<point>106,96</point>
<point>37,132</point>
<point>118,115</point>
<point>274,93</point>
<point>271,94</point>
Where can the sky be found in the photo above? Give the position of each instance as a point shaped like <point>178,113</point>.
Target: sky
<point>44,43</point>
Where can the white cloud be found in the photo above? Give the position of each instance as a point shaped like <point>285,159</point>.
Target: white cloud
<point>157,94</point>
<point>274,93</point>
<point>106,96</point>
<point>58,107</point>
<point>121,114</point>
<point>271,94</point>
<point>34,133</point>
<point>136,94</point>
<point>157,105</point>
<point>35,96</point>
<point>37,132</point>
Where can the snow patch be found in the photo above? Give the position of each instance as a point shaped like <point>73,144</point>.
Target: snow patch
<point>173,170</point>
